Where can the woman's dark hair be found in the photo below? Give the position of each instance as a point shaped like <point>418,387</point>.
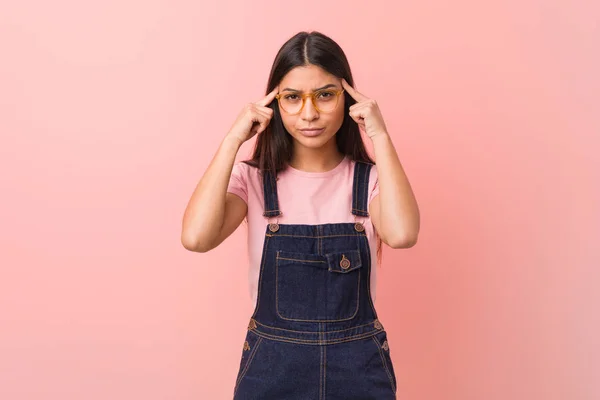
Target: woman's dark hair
<point>273,148</point>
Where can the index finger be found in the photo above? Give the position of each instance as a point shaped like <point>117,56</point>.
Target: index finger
<point>265,101</point>
<point>353,92</point>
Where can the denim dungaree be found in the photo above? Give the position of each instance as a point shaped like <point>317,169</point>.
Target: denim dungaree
<point>314,333</point>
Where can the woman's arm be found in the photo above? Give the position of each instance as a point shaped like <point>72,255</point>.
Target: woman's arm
<point>394,211</point>
<point>212,214</point>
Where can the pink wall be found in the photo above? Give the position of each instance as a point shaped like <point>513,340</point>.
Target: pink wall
<point>110,112</point>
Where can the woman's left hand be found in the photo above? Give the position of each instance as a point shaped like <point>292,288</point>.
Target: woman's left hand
<point>365,112</point>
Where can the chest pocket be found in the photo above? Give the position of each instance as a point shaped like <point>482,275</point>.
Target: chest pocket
<point>312,287</point>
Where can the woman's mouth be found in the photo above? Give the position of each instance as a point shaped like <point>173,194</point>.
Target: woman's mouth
<point>312,132</point>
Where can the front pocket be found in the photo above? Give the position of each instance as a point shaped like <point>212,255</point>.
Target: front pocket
<point>312,287</point>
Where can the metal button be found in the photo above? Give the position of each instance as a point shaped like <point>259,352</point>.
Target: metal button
<point>359,227</point>
<point>252,324</point>
<point>344,263</point>
<point>385,346</point>
<point>274,227</point>
<point>246,346</point>
<point>377,324</point>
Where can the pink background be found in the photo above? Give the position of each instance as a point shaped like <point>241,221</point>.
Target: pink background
<point>110,112</point>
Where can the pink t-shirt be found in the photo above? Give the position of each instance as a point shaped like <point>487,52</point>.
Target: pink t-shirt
<point>304,198</point>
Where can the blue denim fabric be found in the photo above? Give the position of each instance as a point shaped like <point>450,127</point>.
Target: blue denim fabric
<point>314,333</point>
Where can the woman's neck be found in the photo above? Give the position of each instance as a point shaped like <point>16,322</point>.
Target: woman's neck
<point>315,160</point>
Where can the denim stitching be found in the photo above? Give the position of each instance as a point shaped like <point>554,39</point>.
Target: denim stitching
<point>358,191</point>
<point>266,193</point>
<point>245,370</point>
<point>271,202</point>
<point>272,213</point>
<point>370,262</point>
<point>354,185</point>
<point>324,350</point>
<point>274,193</point>
<point>300,260</point>
<point>384,363</point>
<point>315,342</point>
<point>262,267</point>
<point>315,237</point>
<point>325,371</point>
<point>313,332</point>
<point>365,195</point>
<point>319,241</point>
<point>321,374</point>
<point>310,320</point>
<point>320,366</point>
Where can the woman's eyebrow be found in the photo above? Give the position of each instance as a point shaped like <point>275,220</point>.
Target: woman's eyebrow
<point>321,88</point>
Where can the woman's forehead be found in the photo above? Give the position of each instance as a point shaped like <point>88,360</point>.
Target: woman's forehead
<point>307,78</point>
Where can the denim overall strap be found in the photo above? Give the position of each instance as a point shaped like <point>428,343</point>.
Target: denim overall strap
<point>271,208</point>
<point>360,189</point>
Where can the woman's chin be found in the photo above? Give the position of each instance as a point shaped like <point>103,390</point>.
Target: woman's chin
<point>312,141</point>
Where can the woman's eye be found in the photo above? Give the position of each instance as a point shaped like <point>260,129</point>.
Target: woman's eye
<point>325,94</point>
<point>291,97</point>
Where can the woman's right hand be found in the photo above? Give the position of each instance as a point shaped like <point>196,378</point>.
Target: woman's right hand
<point>253,119</point>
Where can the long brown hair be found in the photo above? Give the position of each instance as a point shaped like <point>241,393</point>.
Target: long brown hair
<point>274,146</point>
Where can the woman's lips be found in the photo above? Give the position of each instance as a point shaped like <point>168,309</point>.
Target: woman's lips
<point>312,132</point>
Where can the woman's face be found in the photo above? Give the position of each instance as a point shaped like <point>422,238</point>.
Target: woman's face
<point>303,80</point>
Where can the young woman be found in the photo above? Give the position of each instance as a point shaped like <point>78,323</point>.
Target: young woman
<point>317,209</point>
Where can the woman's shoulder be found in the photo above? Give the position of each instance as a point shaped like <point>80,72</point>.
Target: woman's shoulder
<point>373,187</point>
<point>371,164</point>
<point>245,170</point>
<point>244,165</point>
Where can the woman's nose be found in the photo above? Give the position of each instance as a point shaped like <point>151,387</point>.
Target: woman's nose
<point>309,111</point>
